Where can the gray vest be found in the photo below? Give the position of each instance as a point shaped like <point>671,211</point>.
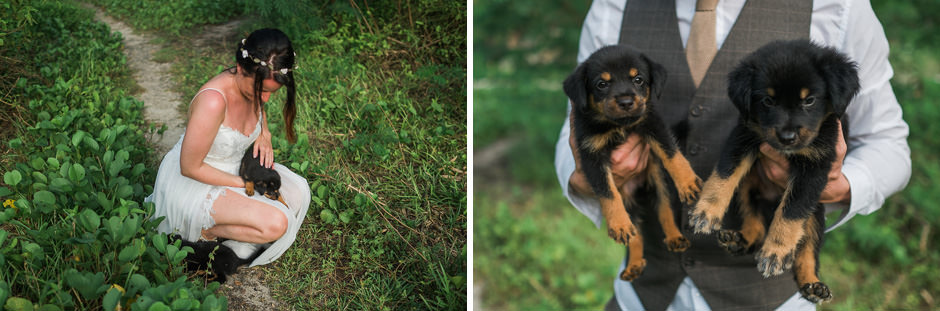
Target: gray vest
<point>703,118</point>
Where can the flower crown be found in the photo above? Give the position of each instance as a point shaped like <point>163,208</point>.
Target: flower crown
<point>270,66</point>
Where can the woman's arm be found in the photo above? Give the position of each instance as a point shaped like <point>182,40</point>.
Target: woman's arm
<point>206,115</point>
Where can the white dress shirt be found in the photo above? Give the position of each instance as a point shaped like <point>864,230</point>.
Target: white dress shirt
<point>878,161</point>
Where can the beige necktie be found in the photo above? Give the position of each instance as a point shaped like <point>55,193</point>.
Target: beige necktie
<point>701,47</point>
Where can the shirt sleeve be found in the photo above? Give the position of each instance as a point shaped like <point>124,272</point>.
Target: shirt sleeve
<point>601,28</point>
<point>878,161</point>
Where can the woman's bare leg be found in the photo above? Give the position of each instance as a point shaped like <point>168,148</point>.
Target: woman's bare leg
<point>238,217</point>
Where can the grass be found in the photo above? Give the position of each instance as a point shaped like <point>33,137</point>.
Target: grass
<point>881,261</point>
<point>381,123</point>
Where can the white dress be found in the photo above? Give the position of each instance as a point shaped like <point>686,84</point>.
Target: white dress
<point>187,203</point>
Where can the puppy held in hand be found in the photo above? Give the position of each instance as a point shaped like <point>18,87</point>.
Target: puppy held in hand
<point>265,181</point>
<point>612,97</point>
<point>790,95</point>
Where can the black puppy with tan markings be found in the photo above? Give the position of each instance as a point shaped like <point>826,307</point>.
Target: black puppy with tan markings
<point>265,181</point>
<point>790,95</point>
<point>611,94</point>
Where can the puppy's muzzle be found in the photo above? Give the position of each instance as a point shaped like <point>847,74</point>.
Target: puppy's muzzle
<point>787,137</point>
<point>625,102</point>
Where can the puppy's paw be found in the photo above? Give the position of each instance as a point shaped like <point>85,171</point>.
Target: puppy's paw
<point>621,231</point>
<point>633,271</point>
<point>677,244</point>
<point>773,260</point>
<point>249,188</point>
<point>703,219</point>
<point>689,188</point>
<point>733,242</point>
<point>816,292</point>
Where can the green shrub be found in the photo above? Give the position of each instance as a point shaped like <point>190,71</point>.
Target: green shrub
<point>73,233</point>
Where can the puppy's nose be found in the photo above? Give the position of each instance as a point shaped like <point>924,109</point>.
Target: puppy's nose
<point>786,137</point>
<point>625,102</point>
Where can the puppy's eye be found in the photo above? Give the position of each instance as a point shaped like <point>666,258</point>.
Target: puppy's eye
<point>809,101</point>
<point>638,81</point>
<point>601,85</point>
<point>768,101</point>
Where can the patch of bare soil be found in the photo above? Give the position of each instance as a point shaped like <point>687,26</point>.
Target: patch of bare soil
<point>245,290</point>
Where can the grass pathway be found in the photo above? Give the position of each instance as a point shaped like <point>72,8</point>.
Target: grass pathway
<point>246,290</point>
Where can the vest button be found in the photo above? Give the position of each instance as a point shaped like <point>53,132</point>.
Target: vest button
<point>697,111</point>
<point>688,261</point>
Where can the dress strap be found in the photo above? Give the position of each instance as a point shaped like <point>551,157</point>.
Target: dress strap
<point>206,89</point>
<point>209,88</point>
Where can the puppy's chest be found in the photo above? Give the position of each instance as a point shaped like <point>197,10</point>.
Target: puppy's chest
<point>606,140</point>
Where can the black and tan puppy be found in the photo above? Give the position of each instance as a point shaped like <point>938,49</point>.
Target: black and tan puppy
<point>217,260</point>
<point>265,181</point>
<point>791,95</point>
<point>612,97</point>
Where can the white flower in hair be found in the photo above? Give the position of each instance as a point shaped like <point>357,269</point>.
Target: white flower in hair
<point>244,53</point>
<point>263,63</point>
<point>284,71</point>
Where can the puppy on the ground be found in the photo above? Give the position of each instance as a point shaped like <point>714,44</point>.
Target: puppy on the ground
<point>790,95</point>
<point>213,257</point>
<point>612,97</point>
<point>265,181</point>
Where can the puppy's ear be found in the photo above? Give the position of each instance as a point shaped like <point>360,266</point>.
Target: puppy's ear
<point>841,75</point>
<point>657,76</point>
<point>739,87</point>
<point>574,87</point>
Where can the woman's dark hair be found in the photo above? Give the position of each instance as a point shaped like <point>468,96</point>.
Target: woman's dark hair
<point>263,52</point>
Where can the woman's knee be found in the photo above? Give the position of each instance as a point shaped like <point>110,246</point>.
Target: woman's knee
<point>274,226</point>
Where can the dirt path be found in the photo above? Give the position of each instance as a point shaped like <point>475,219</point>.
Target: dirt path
<point>160,99</point>
<point>245,290</point>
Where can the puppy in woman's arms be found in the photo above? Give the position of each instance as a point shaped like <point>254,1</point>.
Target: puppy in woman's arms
<point>258,178</point>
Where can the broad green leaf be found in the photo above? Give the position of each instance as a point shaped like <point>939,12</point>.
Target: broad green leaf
<point>159,306</point>
<point>37,163</point>
<point>12,178</point>
<point>327,216</point>
<point>89,285</point>
<point>137,283</point>
<point>44,198</point>
<point>111,299</point>
<point>18,304</point>
<point>39,177</point>
<point>77,138</point>
<point>159,242</point>
<point>89,220</point>
<point>53,162</point>
<point>77,173</point>
<point>128,253</point>
<point>90,142</point>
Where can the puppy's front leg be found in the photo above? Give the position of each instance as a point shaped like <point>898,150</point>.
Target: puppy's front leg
<point>787,230</point>
<point>249,188</point>
<point>664,147</point>
<point>736,160</point>
<point>619,226</point>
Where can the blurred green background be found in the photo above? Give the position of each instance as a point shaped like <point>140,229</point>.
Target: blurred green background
<point>534,251</point>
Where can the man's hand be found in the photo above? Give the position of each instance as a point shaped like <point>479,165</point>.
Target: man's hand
<point>775,168</point>
<point>627,162</point>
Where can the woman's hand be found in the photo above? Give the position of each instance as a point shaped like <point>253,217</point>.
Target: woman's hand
<point>775,168</point>
<point>263,149</point>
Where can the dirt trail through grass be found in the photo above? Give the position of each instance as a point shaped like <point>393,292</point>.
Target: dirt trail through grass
<point>245,290</point>
<point>159,97</point>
